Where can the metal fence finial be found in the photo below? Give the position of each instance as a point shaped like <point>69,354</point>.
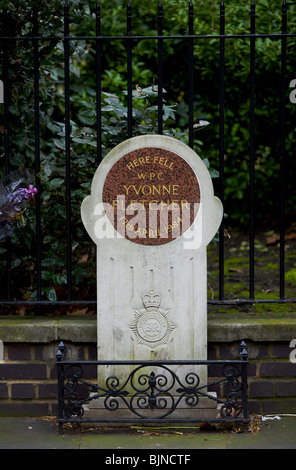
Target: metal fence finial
<point>243,351</point>
<point>243,345</point>
<point>59,355</point>
<point>61,346</point>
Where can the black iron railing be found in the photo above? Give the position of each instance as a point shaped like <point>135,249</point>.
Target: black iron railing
<point>130,40</point>
<point>152,391</point>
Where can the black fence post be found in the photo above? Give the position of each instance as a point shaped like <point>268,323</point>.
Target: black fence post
<point>6,45</point>
<point>244,370</point>
<point>221,149</point>
<point>98,84</point>
<point>252,149</point>
<point>37,151</point>
<point>160,69</point>
<point>67,148</point>
<point>129,71</point>
<point>191,75</point>
<point>60,371</point>
<point>283,150</point>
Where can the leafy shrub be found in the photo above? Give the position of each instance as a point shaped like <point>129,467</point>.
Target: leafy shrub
<point>84,155</point>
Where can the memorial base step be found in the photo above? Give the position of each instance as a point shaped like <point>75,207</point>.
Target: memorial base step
<point>207,408</point>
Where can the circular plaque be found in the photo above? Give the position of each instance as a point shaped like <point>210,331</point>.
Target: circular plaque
<point>151,196</point>
<point>152,326</point>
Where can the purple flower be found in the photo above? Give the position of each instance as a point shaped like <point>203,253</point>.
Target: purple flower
<point>13,202</point>
<point>20,194</point>
<point>31,191</point>
<point>14,194</point>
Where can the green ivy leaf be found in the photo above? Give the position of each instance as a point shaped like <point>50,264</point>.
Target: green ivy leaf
<point>51,294</point>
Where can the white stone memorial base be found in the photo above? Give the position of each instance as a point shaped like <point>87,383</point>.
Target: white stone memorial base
<point>207,408</point>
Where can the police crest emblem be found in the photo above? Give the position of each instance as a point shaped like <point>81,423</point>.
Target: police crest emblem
<point>152,325</point>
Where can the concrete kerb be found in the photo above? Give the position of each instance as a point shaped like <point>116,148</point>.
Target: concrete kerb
<point>220,329</point>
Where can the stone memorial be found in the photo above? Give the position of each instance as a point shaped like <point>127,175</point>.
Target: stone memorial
<point>152,212</point>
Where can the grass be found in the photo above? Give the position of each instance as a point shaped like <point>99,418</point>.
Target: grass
<point>266,275</point>
<point>290,276</point>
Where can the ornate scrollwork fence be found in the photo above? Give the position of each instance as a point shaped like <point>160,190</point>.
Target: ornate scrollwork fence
<point>152,391</point>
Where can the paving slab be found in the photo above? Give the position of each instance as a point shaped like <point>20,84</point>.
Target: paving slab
<point>34,433</point>
<point>37,433</point>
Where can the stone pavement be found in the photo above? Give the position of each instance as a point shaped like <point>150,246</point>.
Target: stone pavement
<point>42,433</point>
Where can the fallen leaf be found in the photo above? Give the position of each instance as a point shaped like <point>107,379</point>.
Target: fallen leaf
<point>77,312</point>
<point>276,238</point>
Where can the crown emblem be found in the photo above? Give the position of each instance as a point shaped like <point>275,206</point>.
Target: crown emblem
<point>151,299</point>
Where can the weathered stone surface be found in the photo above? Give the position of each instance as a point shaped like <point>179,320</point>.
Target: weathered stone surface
<point>152,290</point>
<point>84,329</point>
<point>47,330</point>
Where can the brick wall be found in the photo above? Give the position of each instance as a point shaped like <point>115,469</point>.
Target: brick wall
<point>28,376</point>
<point>28,379</point>
<point>271,375</point>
